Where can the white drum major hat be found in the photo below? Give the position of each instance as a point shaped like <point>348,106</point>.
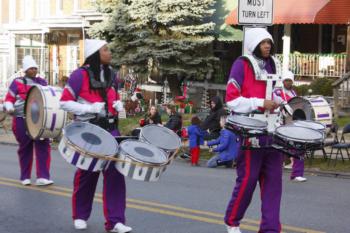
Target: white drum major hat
<point>91,46</point>
<point>253,36</point>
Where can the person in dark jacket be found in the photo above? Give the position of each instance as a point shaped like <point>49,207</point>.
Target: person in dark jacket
<point>175,119</point>
<point>228,147</point>
<point>212,121</point>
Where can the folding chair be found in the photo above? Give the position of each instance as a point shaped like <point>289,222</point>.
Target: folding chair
<point>329,141</point>
<point>342,144</point>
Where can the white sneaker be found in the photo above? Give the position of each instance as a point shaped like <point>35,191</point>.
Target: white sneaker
<point>80,224</point>
<point>289,166</point>
<point>300,179</point>
<point>121,228</point>
<point>233,229</point>
<point>43,181</point>
<point>26,182</point>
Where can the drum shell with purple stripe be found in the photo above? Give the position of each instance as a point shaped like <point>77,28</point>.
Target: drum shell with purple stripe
<point>140,160</point>
<point>43,116</point>
<point>79,159</point>
<point>313,108</point>
<point>87,146</point>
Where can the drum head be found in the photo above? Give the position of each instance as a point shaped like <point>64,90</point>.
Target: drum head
<point>310,124</point>
<point>160,137</point>
<point>143,152</point>
<point>90,139</point>
<point>298,133</point>
<point>34,111</point>
<point>247,122</point>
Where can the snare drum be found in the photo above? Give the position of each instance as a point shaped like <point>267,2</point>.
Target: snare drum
<point>292,137</point>
<point>43,117</point>
<point>142,161</point>
<point>86,146</point>
<point>246,126</point>
<point>310,108</point>
<point>161,137</point>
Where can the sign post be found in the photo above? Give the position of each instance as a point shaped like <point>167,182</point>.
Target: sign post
<point>254,13</point>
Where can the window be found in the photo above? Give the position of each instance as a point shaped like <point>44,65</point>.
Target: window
<point>30,44</point>
<point>72,52</point>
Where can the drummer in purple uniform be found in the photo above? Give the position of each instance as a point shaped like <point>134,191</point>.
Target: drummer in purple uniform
<point>244,94</point>
<point>284,94</point>
<point>91,96</point>
<point>14,105</point>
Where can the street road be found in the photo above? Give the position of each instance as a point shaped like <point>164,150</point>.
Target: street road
<point>185,200</point>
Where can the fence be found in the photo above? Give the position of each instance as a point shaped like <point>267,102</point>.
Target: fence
<point>317,65</point>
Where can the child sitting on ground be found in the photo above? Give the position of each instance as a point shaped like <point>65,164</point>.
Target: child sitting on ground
<point>227,149</point>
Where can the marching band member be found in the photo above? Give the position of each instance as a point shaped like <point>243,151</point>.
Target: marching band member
<point>244,94</point>
<point>284,94</point>
<point>14,104</point>
<point>91,96</point>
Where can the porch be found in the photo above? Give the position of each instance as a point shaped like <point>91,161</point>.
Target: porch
<point>316,65</point>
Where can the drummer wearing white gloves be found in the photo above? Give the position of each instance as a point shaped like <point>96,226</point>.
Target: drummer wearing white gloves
<point>246,93</point>
<point>281,95</point>
<point>91,96</point>
<point>14,105</point>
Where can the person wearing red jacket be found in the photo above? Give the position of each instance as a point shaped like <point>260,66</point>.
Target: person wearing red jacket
<point>14,105</point>
<point>284,94</point>
<point>245,93</point>
<point>91,96</point>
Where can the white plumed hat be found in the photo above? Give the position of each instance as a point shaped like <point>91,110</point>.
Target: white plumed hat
<point>28,62</point>
<point>253,36</point>
<point>288,75</point>
<point>91,46</point>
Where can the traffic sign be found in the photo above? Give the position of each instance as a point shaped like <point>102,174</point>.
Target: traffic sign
<point>255,12</point>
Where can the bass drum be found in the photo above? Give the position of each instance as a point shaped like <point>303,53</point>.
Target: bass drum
<point>314,108</point>
<point>43,116</point>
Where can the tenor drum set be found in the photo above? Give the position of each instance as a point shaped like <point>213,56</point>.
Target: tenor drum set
<point>304,130</point>
<point>92,148</point>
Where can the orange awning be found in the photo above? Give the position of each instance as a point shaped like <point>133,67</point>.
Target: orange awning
<point>306,12</point>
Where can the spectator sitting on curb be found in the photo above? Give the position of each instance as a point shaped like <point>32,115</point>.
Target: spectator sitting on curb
<point>227,149</point>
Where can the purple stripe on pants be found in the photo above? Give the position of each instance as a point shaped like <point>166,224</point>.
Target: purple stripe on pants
<point>114,194</point>
<point>265,166</point>
<point>25,151</point>
<point>298,168</point>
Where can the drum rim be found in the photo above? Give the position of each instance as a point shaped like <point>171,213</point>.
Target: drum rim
<point>41,130</point>
<point>298,139</point>
<point>309,121</point>
<point>91,154</point>
<point>140,161</point>
<point>250,127</point>
<point>161,127</point>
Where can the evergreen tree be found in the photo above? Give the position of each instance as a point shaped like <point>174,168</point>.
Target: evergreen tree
<point>176,35</point>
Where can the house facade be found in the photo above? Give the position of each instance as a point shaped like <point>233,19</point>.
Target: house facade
<point>49,30</point>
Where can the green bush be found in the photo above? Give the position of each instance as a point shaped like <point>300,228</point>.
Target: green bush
<point>320,86</point>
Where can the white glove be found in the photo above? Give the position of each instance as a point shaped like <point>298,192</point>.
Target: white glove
<point>97,107</point>
<point>118,106</point>
<point>9,107</point>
